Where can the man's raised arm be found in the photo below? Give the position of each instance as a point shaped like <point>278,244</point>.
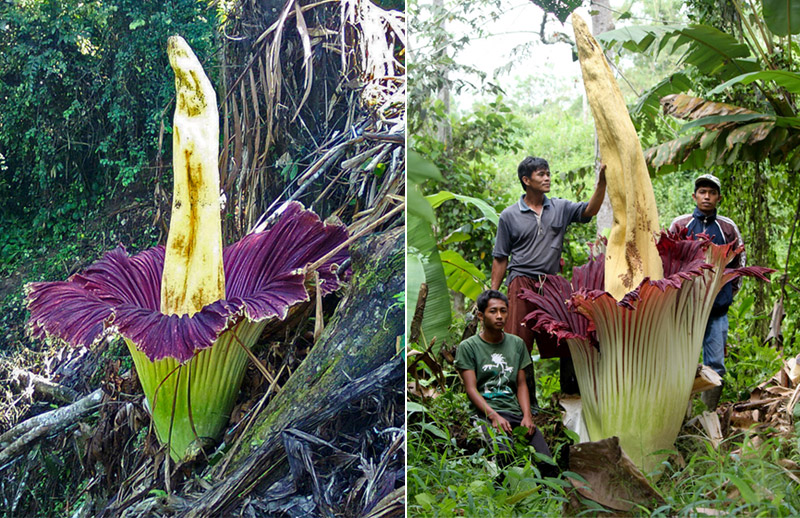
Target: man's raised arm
<point>597,196</point>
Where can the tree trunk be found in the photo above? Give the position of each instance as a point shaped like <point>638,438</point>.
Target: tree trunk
<point>444,132</point>
<point>758,252</point>
<point>355,357</point>
<point>602,22</point>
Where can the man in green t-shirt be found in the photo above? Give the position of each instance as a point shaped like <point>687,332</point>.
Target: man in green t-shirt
<point>491,365</point>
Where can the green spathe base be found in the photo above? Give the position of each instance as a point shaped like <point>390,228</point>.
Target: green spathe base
<point>209,382</point>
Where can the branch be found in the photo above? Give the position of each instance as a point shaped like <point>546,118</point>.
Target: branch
<point>416,321</point>
<point>18,440</point>
<point>261,461</point>
<point>48,389</point>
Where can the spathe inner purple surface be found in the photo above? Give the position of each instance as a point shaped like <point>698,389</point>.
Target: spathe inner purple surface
<point>264,276</point>
<point>558,299</point>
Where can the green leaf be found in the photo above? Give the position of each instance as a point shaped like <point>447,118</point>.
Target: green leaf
<point>788,80</point>
<point>719,119</point>
<point>426,500</point>
<point>412,406</point>
<point>744,488</point>
<point>572,436</point>
<point>456,237</point>
<point>436,317</point>
<point>648,103</point>
<point>420,169</point>
<point>745,305</point>
<point>418,206</point>
<point>575,476</point>
<point>435,430</point>
<point>522,495</point>
<point>136,24</point>
<point>782,16</point>
<point>712,51</point>
<point>462,276</point>
<point>442,196</point>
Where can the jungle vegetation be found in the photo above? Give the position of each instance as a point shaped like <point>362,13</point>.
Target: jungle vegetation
<point>711,87</point>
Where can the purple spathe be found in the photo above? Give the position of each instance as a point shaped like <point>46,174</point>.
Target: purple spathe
<point>559,300</point>
<point>264,276</point>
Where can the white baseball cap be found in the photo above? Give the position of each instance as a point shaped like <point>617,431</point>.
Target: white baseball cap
<point>708,178</point>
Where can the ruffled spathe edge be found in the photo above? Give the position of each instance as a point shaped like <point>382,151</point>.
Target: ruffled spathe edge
<point>559,307</point>
<point>264,274</point>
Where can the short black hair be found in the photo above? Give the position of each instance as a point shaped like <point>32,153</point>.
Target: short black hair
<point>529,165</point>
<point>486,296</point>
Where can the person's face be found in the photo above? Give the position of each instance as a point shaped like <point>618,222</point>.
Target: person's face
<point>494,317</point>
<point>538,181</point>
<point>706,198</point>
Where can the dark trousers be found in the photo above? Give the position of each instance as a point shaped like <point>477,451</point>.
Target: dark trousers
<point>504,446</point>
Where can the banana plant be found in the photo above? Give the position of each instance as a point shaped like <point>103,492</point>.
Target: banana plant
<point>767,130</point>
<point>442,270</point>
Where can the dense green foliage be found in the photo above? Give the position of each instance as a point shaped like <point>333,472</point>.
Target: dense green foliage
<point>452,476</point>
<point>733,55</point>
<point>84,90</point>
<point>491,130</point>
<point>449,472</point>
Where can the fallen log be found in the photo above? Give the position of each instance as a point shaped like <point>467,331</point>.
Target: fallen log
<point>18,439</point>
<point>354,359</point>
<point>42,386</point>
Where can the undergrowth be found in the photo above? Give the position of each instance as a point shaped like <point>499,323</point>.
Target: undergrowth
<point>751,473</point>
<point>744,476</point>
<point>451,474</point>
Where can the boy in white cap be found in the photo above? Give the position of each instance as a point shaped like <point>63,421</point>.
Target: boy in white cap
<point>721,230</point>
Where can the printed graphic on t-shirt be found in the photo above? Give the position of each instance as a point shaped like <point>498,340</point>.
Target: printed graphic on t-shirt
<point>498,384</point>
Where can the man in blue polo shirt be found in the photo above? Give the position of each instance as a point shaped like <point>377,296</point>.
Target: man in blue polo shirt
<point>531,232</point>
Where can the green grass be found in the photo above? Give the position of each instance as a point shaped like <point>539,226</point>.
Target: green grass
<point>450,474</point>
<point>743,477</point>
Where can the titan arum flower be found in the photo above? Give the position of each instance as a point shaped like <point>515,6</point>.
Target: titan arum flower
<point>190,312</point>
<point>634,317</point>
<point>635,359</point>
